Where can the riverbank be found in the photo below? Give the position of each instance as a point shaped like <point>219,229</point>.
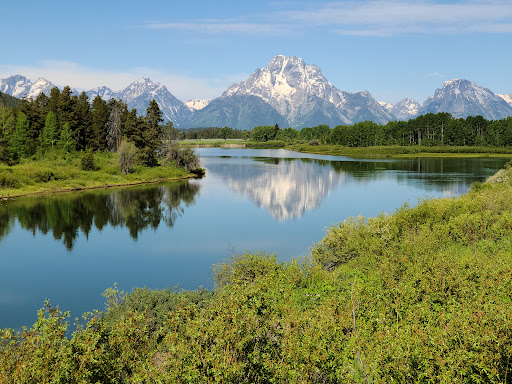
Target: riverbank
<point>374,152</point>
<point>379,152</point>
<point>58,175</point>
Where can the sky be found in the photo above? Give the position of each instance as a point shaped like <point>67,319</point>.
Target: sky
<point>197,49</point>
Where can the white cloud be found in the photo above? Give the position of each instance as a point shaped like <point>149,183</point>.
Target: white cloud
<point>390,17</point>
<point>84,78</point>
<point>436,75</point>
<point>362,18</point>
<point>218,26</point>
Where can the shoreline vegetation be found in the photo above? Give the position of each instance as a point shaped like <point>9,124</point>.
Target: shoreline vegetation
<point>373,152</point>
<point>422,294</point>
<point>58,175</point>
<point>63,143</point>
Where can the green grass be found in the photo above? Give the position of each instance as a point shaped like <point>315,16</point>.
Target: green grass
<point>59,174</point>
<point>399,151</point>
<point>212,143</point>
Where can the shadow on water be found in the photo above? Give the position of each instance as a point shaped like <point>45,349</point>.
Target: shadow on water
<point>64,215</point>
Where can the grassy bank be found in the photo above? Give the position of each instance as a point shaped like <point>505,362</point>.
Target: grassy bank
<point>58,174</point>
<point>399,151</point>
<point>421,295</point>
<point>374,152</point>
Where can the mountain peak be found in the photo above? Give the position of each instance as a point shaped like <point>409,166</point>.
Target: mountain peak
<point>463,98</point>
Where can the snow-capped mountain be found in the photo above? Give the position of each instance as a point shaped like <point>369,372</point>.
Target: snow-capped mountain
<point>386,105</point>
<point>302,95</point>
<point>19,86</point>
<point>463,98</point>
<point>104,92</point>
<point>139,94</point>
<point>197,104</point>
<point>406,109</point>
<point>241,112</point>
<point>287,92</point>
<point>507,98</point>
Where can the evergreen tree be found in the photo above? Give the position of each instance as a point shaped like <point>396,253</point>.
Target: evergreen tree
<point>151,133</point>
<point>53,100</point>
<point>96,134</point>
<point>50,132</point>
<point>66,108</point>
<point>66,141</point>
<point>19,142</point>
<point>84,120</point>
<point>134,128</point>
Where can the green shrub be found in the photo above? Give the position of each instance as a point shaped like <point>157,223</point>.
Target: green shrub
<point>44,176</point>
<point>7,180</point>
<point>87,162</point>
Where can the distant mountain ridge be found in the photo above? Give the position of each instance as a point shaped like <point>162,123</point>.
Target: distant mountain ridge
<point>462,98</point>
<point>287,92</point>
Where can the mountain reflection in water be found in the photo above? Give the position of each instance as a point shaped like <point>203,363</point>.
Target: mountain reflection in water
<point>288,187</point>
<point>135,208</point>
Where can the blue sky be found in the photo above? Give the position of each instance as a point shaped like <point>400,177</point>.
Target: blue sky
<point>392,48</point>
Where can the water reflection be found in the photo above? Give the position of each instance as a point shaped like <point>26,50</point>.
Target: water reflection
<point>288,187</point>
<point>135,208</point>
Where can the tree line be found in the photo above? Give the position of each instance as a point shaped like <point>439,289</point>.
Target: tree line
<point>65,122</point>
<point>440,129</point>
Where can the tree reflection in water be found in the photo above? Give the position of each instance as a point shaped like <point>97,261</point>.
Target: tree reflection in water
<point>64,215</point>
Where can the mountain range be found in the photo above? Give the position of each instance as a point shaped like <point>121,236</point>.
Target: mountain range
<point>287,92</point>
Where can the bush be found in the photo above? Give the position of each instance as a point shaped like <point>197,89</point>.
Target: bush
<point>9,181</point>
<point>182,157</point>
<point>127,156</point>
<point>44,176</point>
<point>87,162</point>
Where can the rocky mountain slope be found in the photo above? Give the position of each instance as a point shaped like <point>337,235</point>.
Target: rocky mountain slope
<point>462,98</point>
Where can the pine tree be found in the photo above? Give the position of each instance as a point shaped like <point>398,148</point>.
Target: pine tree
<point>84,120</point>
<point>50,132</point>
<point>19,142</point>
<point>151,133</point>
<point>66,142</point>
<point>96,135</point>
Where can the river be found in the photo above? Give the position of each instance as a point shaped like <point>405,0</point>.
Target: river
<point>70,247</point>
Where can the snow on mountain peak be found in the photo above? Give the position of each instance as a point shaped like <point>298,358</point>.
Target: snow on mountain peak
<point>452,82</point>
<point>406,109</point>
<point>507,98</point>
<point>463,98</point>
<point>19,86</point>
<point>197,104</point>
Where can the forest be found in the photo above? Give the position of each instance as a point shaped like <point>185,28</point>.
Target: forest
<point>429,130</point>
<point>66,123</point>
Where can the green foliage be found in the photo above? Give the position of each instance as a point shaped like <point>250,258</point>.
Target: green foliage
<point>50,132</point>
<point>44,176</point>
<point>19,142</point>
<point>128,156</point>
<point>182,157</point>
<point>87,162</point>
<point>262,133</point>
<point>8,180</point>
<point>66,141</point>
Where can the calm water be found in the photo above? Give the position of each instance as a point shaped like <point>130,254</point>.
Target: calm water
<point>71,247</point>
